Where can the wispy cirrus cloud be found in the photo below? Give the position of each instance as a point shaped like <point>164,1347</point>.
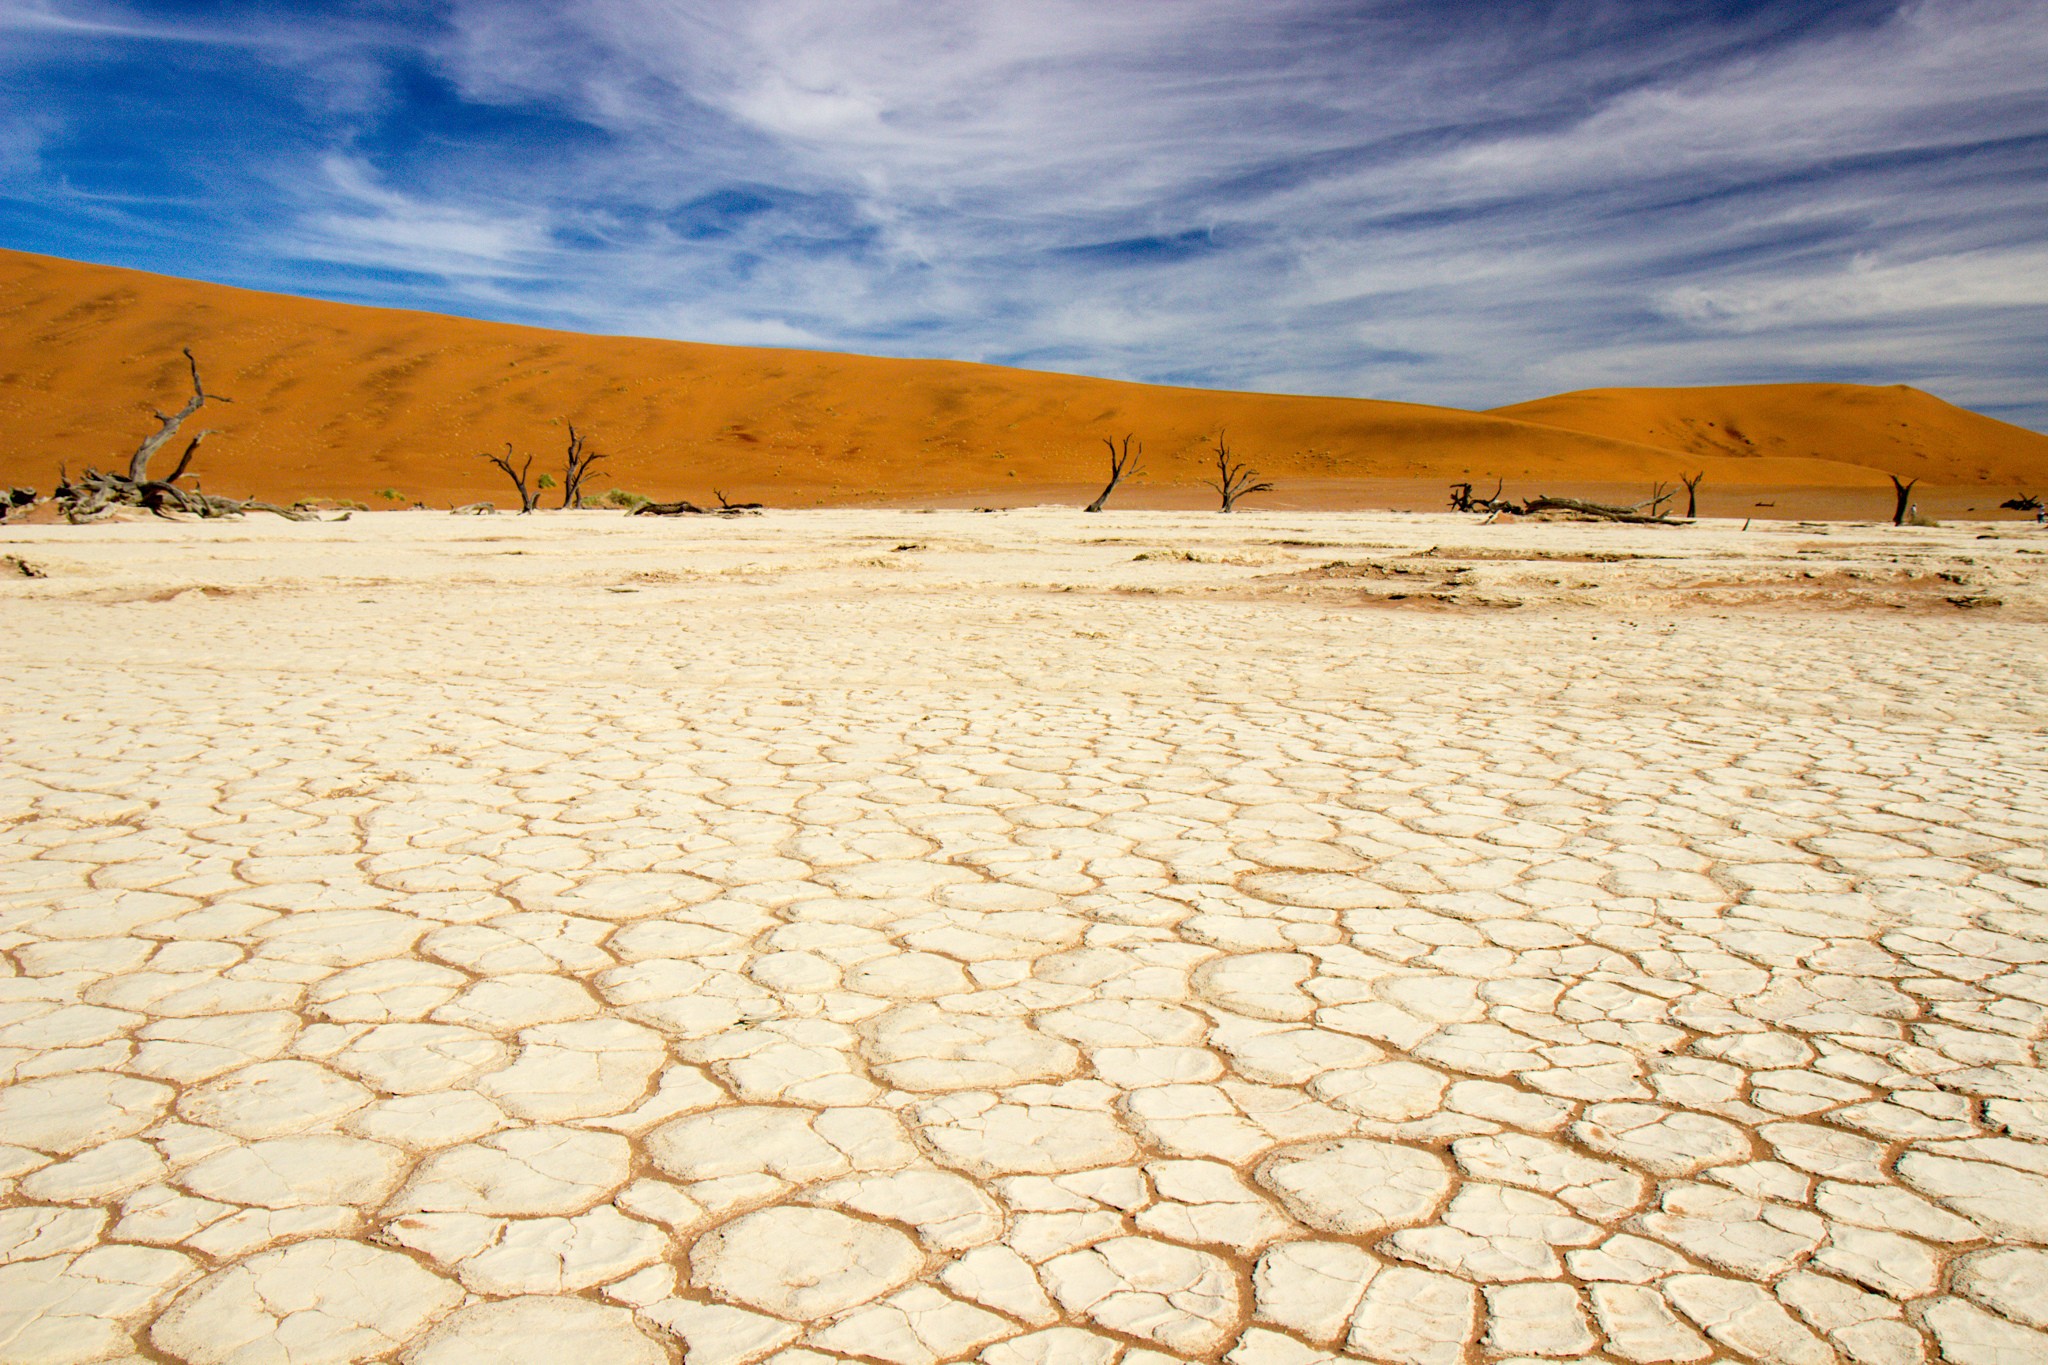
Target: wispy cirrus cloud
<point>1449,202</point>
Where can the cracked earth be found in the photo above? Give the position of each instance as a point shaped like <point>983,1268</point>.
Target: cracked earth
<point>873,936</point>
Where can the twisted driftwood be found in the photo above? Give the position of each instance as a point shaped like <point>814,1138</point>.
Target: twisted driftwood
<point>667,509</point>
<point>98,492</point>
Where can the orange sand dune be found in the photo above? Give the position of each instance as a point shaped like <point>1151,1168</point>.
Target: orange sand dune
<point>331,400</point>
<point>1895,429</point>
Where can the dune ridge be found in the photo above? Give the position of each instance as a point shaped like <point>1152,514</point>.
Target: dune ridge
<point>337,400</point>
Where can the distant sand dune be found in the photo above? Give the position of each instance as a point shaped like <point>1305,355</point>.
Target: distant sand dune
<point>337,401</point>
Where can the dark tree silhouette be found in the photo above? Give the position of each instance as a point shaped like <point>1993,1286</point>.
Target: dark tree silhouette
<point>1234,479</point>
<point>1905,490</point>
<point>580,463</point>
<point>1692,494</point>
<point>1121,462</point>
<point>572,479</point>
<point>527,496</point>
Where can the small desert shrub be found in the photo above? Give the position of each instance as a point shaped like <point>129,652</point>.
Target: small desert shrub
<point>620,498</point>
<point>390,495</point>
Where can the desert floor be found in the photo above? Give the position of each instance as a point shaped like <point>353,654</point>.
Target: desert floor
<point>1025,937</point>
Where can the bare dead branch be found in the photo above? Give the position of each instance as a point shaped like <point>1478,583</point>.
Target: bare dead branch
<point>580,463</point>
<point>1121,462</point>
<point>138,463</point>
<point>95,493</point>
<point>1234,479</point>
<point>527,496</point>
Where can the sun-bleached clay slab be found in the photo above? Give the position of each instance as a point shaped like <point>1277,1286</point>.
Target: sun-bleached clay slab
<point>1128,939</point>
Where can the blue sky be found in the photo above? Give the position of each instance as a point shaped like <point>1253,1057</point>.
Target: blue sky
<point>1443,201</point>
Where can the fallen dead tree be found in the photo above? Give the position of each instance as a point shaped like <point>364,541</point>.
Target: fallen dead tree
<point>691,509</point>
<point>1649,512</point>
<point>1600,511</point>
<point>96,492</point>
<point>1463,501</point>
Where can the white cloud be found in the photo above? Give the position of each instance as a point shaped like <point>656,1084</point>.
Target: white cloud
<point>362,222</point>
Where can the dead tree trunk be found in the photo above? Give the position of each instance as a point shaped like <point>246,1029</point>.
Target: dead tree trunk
<point>1659,495</point>
<point>138,463</point>
<point>1234,479</point>
<point>579,465</point>
<point>667,509</point>
<point>1692,494</point>
<point>1904,490</point>
<point>527,496</point>
<point>97,493</point>
<point>1600,510</point>
<point>1120,463</point>
<point>733,509</point>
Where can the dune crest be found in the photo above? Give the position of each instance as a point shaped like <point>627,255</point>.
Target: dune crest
<point>335,400</point>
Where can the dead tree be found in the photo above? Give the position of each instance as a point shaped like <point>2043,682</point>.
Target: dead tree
<point>667,509</point>
<point>1463,501</point>
<point>1121,462</point>
<point>527,496</point>
<point>579,465</point>
<point>1659,495</point>
<point>1905,490</point>
<point>1234,479</point>
<point>2025,502</point>
<point>1599,511</point>
<point>97,493</point>
<point>734,509</point>
<point>1692,494</point>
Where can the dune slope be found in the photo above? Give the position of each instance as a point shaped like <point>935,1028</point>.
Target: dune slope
<point>1892,429</point>
<point>339,401</point>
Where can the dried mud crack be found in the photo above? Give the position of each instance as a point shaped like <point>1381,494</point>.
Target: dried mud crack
<point>834,963</point>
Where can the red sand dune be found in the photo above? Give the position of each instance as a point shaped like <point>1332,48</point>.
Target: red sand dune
<point>331,400</point>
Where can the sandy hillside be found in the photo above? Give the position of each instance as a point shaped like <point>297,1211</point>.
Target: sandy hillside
<point>340,401</point>
<point>1894,429</point>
